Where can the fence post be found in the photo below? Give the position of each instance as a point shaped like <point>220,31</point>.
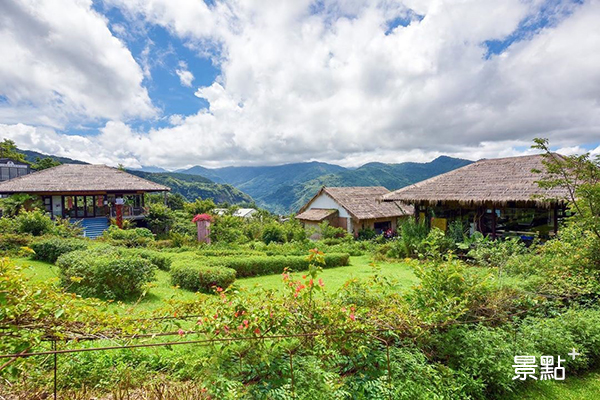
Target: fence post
<point>55,367</point>
<point>292,375</point>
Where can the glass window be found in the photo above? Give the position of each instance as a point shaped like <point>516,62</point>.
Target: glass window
<point>47,203</point>
<point>4,173</point>
<point>89,206</point>
<point>80,204</point>
<point>69,206</point>
<point>12,173</point>
<point>101,208</point>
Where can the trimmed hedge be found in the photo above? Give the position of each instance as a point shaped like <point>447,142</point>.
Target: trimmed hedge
<point>200,278</point>
<point>264,265</point>
<point>111,274</point>
<point>136,237</point>
<point>158,259</point>
<point>50,249</point>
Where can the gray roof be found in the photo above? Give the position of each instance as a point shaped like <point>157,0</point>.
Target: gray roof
<point>79,178</point>
<point>491,181</point>
<point>363,202</point>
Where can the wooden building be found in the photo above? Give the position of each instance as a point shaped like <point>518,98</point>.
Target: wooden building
<point>90,193</point>
<point>498,197</point>
<point>353,208</point>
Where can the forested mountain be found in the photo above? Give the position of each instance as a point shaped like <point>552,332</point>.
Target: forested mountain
<point>193,186</point>
<point>285,188</point>
<point>32,156</point>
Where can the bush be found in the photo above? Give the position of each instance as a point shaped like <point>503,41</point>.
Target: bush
<point>366,234</point>
<point>201,278</point>
<point>329,232</point>
<point>265,265</point>
<point>50,249</point>
<point>137,237</point>
<point>156,258</point>
<point>112,274</point>
<point>35,223</point>
<point>159,218</point>
<point>273,232</point>
<point>12,241</point>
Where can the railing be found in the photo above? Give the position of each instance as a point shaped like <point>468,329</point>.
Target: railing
<point>130,211</point>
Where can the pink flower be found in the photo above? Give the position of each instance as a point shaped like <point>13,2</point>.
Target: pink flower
<point>352,317</point>
<point>181,332</point>
<point>321,282</point>
<point>202,217</point>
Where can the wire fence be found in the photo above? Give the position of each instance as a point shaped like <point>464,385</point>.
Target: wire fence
<point>382,336</point>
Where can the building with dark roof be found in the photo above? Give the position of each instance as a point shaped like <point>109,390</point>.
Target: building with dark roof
<point>354,209</point>
<point>89,193</point>
<point>498,197</point>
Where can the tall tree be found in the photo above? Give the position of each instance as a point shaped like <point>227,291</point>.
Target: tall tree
<point>8,149</point>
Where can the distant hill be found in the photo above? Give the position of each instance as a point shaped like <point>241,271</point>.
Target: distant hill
<point>32,155</point>
<point>285,188</point>
<point>193,186</point>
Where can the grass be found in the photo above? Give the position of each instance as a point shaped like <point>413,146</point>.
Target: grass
<point>399,274</point>
<point>572,388</point>
<point>161,291</point>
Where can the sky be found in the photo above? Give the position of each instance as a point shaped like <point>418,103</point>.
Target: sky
<point>263,82</point>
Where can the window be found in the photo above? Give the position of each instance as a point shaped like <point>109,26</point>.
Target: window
<point>69,209</point>
<point>47,203</point>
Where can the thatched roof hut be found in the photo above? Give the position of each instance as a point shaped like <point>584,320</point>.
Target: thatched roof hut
<point>80,178</point>
<point>361,202</point>
<point>487,182</point>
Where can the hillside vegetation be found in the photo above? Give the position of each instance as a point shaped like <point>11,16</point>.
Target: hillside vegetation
<point>285,188</point>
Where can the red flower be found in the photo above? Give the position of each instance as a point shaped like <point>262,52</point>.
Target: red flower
<point>202,217</point>
<point>352,317</point>
<point>257,331</point>
<point>321,282</point>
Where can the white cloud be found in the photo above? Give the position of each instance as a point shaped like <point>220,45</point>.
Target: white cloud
<point>301,82</point>
<point>60,63</point>
<point>185,77</point>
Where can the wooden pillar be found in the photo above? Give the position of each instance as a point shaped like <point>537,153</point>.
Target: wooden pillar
<point>556,218</point>
<point>119,211</point>
<point>417,213</point>
<point>493,222</point>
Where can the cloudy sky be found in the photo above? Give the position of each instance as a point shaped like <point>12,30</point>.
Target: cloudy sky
<point>252,82</point>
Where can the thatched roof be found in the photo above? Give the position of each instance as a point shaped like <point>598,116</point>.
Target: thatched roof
<point>315,214</point>
<point>79,178</point>
<point>363,202</point>
<point>493,181</point>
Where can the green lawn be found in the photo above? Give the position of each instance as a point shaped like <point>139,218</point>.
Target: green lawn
<point>399,274</point>
<point>572,388</point>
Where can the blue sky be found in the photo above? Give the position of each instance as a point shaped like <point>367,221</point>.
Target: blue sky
<point>174,84</point>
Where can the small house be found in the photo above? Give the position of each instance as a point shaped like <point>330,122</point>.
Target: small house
<point>89,193</point>
<point>10,169</point>
<point>497,197</point>
<point>244,212</point>
<point>354,209</point>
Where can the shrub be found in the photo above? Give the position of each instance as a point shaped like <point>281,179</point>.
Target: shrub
<point>273,232</point>
<point>12,241</point>
<point>63,227</point>
<point>111,274</point>
<point>496,253</point>
<point>329,232</point>
<point>159,218</point>
<point>158,259</point>
<point>412,233</point>
<point>228,229</point>
<point>137,237</point>
<point>201,278</point>
<point>260,265</point>
<point>50,249</point>
<point>35,222</point>
<point>366,234</point>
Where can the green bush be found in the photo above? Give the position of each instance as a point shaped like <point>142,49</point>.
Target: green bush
<point>156,258</point>
<point>201,278</point>
<point>50,249</point>
<point>136,237</point>
<point>273,232</point>
<point>265,265</point>
<point>12,241</point>
<point>112,274</point>
<point>366,234</point>
<point>35,223</point>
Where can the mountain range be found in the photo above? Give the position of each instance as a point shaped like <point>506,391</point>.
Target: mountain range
<point>285,188</point>
<point>282,189</point>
